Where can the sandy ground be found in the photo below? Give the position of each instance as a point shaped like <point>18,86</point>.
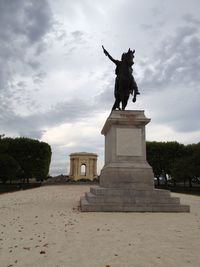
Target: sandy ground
<point>43,227</point>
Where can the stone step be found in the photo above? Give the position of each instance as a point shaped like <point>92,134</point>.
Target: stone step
<point>162,200</point>
<point>121,192</point>
<point>124,207</point>
<point>130,199</point>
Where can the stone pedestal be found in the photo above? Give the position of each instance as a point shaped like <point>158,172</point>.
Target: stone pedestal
<point>126,180</point>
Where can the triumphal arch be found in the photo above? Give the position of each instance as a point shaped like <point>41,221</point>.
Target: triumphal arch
<point>83,165</point>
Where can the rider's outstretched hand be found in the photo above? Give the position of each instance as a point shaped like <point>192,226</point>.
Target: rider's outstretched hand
<point>104,50</point>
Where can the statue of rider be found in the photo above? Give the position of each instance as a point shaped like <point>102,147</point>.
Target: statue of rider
<point>124,83</point>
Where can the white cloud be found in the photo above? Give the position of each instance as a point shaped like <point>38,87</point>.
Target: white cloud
<point>84,136</point>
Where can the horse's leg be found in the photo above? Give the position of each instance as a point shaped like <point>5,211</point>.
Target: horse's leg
<point>117,96</point>
<point>123,105</point>
<point>124,102</point>
<point>134,96</point>
<point>116,104</point>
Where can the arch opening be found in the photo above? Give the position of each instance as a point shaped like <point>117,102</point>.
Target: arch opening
<point>83,170</point>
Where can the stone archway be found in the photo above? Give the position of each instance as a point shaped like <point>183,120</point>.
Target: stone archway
<point>83,170</point>
<point>83,165</point>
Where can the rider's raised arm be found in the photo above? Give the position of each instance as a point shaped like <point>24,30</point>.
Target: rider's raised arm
<point>109,56</point>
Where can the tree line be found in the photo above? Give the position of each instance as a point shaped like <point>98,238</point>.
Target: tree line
<point>180,163</point>
<point>23,158</point>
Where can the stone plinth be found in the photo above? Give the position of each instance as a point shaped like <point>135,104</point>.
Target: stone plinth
<point>127,180</point>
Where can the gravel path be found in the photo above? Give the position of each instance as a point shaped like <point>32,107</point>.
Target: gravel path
<point>43,227</point>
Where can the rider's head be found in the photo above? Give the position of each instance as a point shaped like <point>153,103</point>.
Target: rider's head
<point>123,57</point>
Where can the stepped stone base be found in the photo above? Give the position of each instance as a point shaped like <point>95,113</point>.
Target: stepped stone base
<point>127,180</point>
<point>125,200</point>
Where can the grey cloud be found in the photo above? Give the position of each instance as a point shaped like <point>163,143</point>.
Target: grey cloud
<point>62,35</point>
<point>29,19</point>
<point>173,74</point>
<point>70,52</point>
<point>176,108</point>
<point>33,63</point>
<point>75,38</point>
<point>37,15</point>
<point>21,84</point>
<point>72,42</point>
<point>38,77</point>
<point>175,62</point>
<point>23,26</point>
<point>153,27</point>
<point>61,113</point>
<point>158,9</point>
<point>37,134</point>
<point>105,98</point>
<point>191,19</point>
<point>77,34</point>
<point>147,27</point>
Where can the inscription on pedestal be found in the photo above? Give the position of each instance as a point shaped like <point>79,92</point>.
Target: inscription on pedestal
<point>129,142</point>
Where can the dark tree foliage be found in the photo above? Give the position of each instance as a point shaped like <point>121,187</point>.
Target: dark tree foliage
<point>196,158</point>
<point>32,156</point>
<point>189,168</point>
<point>9,168</point>
<point>180,162</point>
<point>162,156</point>
<point>154,158</point>
<point>183,170</point>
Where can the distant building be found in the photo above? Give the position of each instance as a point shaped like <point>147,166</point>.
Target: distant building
<point>83,165</point>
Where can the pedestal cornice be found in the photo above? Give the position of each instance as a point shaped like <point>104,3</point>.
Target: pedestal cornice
<point>125,117</point>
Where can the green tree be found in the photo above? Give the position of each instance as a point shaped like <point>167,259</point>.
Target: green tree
<point>154,154</point>
<point>32,155</point>
<point>196,159</point>
<point>2,136</point>
<point>171,152</point>
<point>187,168</point>
<point>162,156</point>
<point>183,170</point>
<point>9,168</point>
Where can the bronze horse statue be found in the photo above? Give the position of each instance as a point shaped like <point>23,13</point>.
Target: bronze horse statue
<point>124,83</point>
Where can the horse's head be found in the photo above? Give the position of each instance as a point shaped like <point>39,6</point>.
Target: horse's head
<point>128,57</point>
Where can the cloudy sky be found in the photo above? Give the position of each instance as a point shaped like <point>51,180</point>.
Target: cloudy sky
<point>56,85</point>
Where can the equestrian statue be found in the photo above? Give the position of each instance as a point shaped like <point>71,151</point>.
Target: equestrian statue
<point>124,83</point>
